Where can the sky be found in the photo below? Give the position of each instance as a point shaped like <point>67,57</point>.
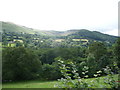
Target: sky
<point>61,15</point>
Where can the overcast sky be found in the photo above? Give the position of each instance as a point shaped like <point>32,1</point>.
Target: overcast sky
<point>95,15</point>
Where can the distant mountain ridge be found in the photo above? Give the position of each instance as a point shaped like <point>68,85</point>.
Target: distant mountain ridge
<point>74,33</point>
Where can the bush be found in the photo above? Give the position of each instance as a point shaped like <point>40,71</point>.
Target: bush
<point>78,82</point>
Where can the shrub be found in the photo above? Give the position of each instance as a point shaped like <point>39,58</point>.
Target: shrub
<point>78,82</point>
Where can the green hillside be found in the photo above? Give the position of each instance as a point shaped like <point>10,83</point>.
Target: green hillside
<point>93,35</point>
<point>73,34</point>
<point>10,27</point>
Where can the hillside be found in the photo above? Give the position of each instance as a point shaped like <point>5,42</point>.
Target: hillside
<point>11,27</point>
<point>58,33</point>
<point>73,34</point>
<point>93,35</point>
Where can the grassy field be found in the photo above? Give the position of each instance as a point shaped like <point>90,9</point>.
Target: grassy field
<point>30,84</point>
<point>46,84</point>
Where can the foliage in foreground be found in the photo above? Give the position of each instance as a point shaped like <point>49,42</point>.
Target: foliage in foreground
<point>77,82</point>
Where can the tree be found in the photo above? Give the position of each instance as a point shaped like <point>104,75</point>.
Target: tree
<point>18,44</point>
<point>20,64</point>
<point>98,49</point>
<point>117,52</point>
<point>97,57</point>
<point>50,72</point>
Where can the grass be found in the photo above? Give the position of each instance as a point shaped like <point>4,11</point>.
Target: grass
<point>30,84</point>
<point>46,84</point>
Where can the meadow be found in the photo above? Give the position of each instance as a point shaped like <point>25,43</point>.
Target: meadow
<point>49,84</point>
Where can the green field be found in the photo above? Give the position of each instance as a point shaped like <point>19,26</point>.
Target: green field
<point>47,84</point>
<point>30,84</point>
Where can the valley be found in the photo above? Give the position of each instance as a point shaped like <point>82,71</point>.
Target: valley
<point>72,58</point>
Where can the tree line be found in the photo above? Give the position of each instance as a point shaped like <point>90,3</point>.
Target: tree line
<point>22,63</point>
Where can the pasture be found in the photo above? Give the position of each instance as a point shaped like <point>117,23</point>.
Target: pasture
<point>50,84</point>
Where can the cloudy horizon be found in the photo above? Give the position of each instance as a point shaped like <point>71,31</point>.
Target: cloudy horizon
<point>62,15</point>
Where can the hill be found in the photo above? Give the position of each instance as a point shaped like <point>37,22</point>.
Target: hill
<point>93,35</point>
<point>11,27</point>
<point>73,34</point>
